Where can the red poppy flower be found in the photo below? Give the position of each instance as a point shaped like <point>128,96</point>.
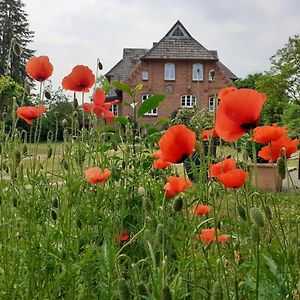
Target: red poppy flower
<point>225,91</point>
<point>99,107</point>
<point>209,235</point>
<point>176,185</point>
<point>267,134</point>
<point>209,132</point>
<point>39,68</point>
<point>30,113</point>
<point>200,210</point>
<point>95,175</point>
<point>177,144</point>
<point>161,164</point>
<point>233,178</point>
<point>222,167</point>
<point>122,238</point>
<point>238,112</point>
<point>81,79</point>
<point>273,150</point>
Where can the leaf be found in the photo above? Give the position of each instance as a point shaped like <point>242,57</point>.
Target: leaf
<point>122,120</point>
<point>138,88</point>
<point>123,87</point>
<point>150,104</point>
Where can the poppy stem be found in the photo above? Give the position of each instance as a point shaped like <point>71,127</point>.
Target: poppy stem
<point>82,102</point>
<point>257,268</point>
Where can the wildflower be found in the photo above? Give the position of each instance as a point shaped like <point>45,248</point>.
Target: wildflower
<point>200,210</point>
<point>99,107</point>
<point>209,235</point>
<point>30,113</point>
<point>227,173</point>
<point>177,144</point>
<point>274,149</point>
<point>95,175</point>
<point>225,91</point>
<point>122,238</point>
<point>267,134</point>
<point>39,68</point>
<point>209,132</point>
<point>81,79</point>
<point>176,185</point>
<point>238,112</point>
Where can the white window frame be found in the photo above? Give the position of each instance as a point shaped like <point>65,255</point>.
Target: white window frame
<point>212,104</point>
<point>188,101</point>
<point>152,112</point>
<point>197,72</point>
<point>145,75</point>
<point>169,71</point>
<point>114,109</point>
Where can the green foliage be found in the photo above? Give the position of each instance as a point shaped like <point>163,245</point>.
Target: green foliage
<point>103,84</point>
<point>291,117</point>
<point>150,103</point>
<point>248,82</point>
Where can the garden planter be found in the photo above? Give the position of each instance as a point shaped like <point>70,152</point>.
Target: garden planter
<point>267,177</point>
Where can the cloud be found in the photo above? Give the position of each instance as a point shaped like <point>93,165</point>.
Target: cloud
<point>245,33</point>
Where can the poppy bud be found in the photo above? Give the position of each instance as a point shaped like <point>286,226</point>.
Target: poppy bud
<point>141,191</point>
<point>123,289</point>
<point>47,94</point>
<point>64,123</point>
<point>26,88</point>
<point>17,156</point>
<point>166,293</point>
<point>55,203</point>
<point>217,291</point>
<point>17,49</point>
<point>257,217</point>
<point>241,212</point>
<point>147,234</point>
<point>281,167</point>
<point>143,292</point>
<point>255,233</point>
<point>75,101</point>
<point>24,150</point>
<point>178,203</point>
<point>75,114</point>
<point>49,151</point>
<point>65,164</point>
<point>268,212</point>
<point>53,215</point>
<point>160,232</point>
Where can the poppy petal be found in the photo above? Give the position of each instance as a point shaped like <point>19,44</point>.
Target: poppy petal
<point>233,179</point>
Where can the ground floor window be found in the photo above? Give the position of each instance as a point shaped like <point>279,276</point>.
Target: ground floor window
<point>212,104</point>
<point>114,109</point>
<point>188,101</point>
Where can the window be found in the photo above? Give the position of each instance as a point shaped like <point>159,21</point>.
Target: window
<point>188,101</point>
<point>177,32</point>
<point>114,109</point>
<point>145,75</point>
<point>211,104</point>
<point>197,72</point>
<point>169,71</point>
<point>152,112</point>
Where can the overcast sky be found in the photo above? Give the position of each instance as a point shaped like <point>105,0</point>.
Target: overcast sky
<point>246,33</point>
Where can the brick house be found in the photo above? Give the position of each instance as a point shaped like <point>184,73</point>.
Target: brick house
<point>177,66</point>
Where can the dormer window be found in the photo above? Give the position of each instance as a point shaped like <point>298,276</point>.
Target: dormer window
<point>169,71</point>
<point>145,75</point>
<point>177,32</point>
<point>197,72</point>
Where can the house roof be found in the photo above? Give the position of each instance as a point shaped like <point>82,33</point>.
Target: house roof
<point>228,73</point>
<point>179,44</point>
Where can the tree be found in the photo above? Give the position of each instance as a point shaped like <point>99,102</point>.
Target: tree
<point>248,82</point>
<point>14,35</point>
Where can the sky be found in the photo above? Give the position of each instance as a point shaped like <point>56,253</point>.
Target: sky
<point>246,33</point>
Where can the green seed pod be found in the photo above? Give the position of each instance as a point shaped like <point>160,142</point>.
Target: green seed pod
<point>257,217</point>
<point>178,203</point>
<point>17,49</point>
<point>64,123</point>
<point>49,151</point>
<point>255,233</point>
<point>159,232</point>
<point>281,167</point>
<point>123,289</point>
<point>166,293</point>
<point>55,203</point>
<point>241,212</point>
<point>217,291</point>
<point>268,212</point>
<point>17,157</point>
<point>47,94</point>
<point>25,150</point>
<point>53,215</point>
<point>143,291</point>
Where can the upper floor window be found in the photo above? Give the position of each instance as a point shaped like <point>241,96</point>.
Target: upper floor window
<point>169,71</point>
<point>188,101</point>
<point>212,103</point>
<point>114,109</point>
<point>145,75</point>
<point>197,72</point>
<point>152,112</point>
